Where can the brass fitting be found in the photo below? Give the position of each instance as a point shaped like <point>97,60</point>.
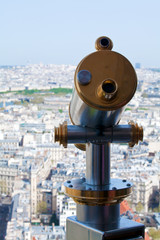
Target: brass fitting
<point>80,146</point>
<point>137,134</point>
<point>103,43</point>
<point>82,193</point>
<point>60,134</point>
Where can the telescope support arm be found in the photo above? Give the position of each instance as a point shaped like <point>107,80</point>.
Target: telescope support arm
<point>67,134</point>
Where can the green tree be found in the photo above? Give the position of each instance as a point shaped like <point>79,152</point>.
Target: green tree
<point>37,100</point>
<point>154,200</point>
<point>139,207</point>
<point>3,186</point>
<point>156,209</point>
<point>54,220</point>
<point>145,95</point>
<point>128,109</point>
<point>42,207</point>
<point>155,234</point>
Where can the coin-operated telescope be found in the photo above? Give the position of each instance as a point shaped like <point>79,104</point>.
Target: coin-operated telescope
<point>105,82</point>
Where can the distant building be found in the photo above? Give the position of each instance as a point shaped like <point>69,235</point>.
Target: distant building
<point>44,233</point>
<point>137,65</point>
<point>33,181</point>
<point>7,177</point>
<point>33,126</point>
<point>41,192</point>
<point>68,210</point>
<point>19,215</point>
<point>65,207</point>
<point>142,189</point>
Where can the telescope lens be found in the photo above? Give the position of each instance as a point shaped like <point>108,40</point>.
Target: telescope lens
<point>109,87</point>
<point>104,42</point>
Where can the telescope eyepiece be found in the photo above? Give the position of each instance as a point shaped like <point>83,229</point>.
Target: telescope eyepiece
<point>103,43</point>
<point>108,89</point>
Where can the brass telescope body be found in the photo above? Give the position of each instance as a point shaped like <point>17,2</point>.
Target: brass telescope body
<point>105,81</point>
<point>100,101</point>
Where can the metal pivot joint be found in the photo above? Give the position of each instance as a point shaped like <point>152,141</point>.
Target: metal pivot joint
<point>67,134</point>
<point>105,82</point>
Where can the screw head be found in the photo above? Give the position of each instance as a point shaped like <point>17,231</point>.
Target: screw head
<point>84,77</point>
<point>83,179</point>
<point>128,185</point>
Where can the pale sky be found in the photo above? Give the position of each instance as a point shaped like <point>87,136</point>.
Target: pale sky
<point>63,32</point>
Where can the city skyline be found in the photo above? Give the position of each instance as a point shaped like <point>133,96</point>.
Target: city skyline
<point>33,167</point>
<point>64,32</point>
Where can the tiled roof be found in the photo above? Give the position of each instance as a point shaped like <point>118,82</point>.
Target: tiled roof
<point>127,211</point>
<point>147,237</point>
<point>124,207</point>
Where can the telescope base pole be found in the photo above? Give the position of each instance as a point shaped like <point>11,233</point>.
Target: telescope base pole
<point>127,230</point>
<point>105,217</point>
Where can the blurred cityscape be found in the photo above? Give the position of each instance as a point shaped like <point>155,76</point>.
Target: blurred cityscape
<point>35,99</point>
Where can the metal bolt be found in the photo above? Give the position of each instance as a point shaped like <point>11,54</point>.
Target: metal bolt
<point>83,179</point>
<point>114,188</point>
<point>68,181</point>
<point>124,180</point>
<point>84,77</point>
<point>70,186</point>
<point>128,184</point>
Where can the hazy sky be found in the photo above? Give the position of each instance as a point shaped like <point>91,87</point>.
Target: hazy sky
<point>64,31</point>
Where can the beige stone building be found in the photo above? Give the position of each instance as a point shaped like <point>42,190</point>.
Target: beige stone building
<point>7,178</point>
<point>38,175</point>
<point>141,191</point>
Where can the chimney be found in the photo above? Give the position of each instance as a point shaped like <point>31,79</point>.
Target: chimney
<point>53,226</point>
